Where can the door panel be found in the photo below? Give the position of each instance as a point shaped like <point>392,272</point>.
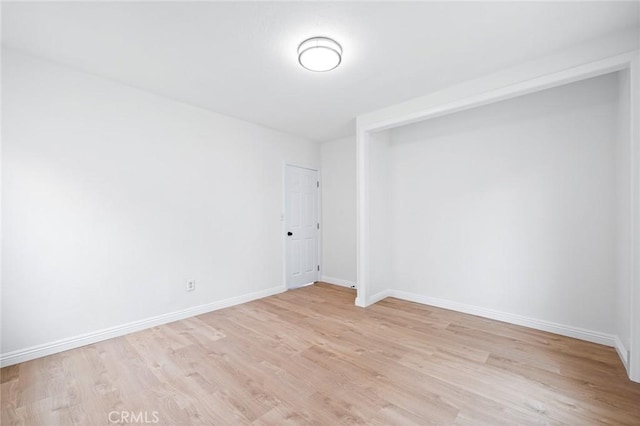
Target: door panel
<point>301,221</point>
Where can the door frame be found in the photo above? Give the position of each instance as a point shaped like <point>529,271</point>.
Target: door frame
<point>283,219</point>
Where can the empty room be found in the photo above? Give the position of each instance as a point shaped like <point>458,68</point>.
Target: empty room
<point>266,213</point>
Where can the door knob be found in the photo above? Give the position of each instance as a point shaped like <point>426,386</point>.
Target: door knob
<point>289,233</point>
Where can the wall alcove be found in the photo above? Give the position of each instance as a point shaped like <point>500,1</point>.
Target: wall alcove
<point>518,204</point>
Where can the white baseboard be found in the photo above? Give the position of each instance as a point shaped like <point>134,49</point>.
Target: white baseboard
<point>552,327</point>
<point>379,296</point>
<point>338,281</point>
<point>62,345</point>
<point>622,352</point>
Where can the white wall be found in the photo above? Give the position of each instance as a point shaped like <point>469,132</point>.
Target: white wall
<point>512,206</point>
<point>623,155</point>
<point>338,190</point>
<point>382,199</point>
<point>113,198</point>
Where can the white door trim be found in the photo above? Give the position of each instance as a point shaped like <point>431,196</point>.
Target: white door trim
<point>283,220</point>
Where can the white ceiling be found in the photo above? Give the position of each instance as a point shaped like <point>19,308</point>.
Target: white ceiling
<point>239,58</point>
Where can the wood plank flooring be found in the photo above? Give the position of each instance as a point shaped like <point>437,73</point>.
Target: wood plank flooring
<point>309,356</point>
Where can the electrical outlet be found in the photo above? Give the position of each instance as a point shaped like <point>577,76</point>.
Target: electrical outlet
<point>191,285</point>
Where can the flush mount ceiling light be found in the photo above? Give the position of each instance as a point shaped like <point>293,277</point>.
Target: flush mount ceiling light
<point>319,54</point>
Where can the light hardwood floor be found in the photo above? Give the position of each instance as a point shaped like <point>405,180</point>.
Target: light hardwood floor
<point>309,356</point>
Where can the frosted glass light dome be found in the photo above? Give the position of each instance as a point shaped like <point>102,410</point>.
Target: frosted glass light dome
<point>319,54</point>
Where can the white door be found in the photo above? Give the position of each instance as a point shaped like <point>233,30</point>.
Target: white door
<point>301,225</point>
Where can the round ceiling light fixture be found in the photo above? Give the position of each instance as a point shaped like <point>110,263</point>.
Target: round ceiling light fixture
<point>319,54</point>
